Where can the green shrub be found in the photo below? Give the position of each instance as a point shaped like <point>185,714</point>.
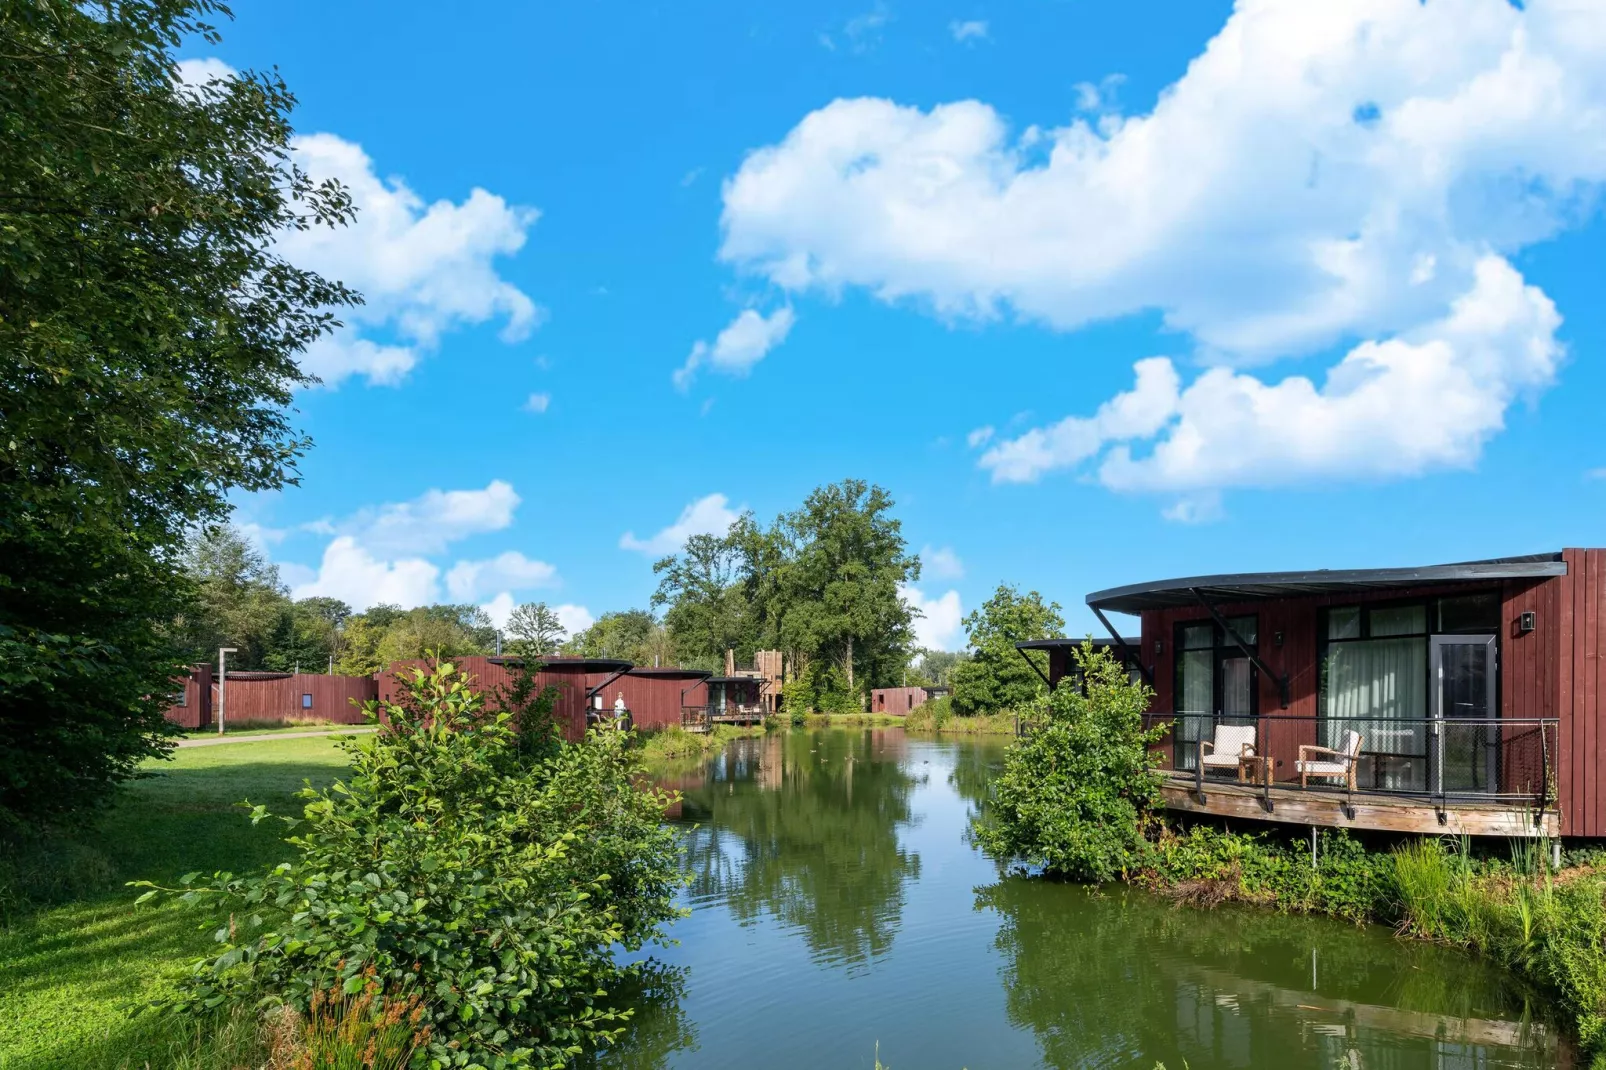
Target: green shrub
<point>1077,793</point>
<point>1208,865</point>
<point>487,877</point>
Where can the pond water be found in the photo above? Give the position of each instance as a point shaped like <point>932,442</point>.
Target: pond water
<point>837,907</point>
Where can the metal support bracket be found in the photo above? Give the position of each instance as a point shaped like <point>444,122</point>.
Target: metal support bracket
<point>1128,655</point>
<point>1237,641</point>
<point>1041,675</point>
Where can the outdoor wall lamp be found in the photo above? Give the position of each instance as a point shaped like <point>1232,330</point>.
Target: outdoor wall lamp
<point>1525,622</point>
<point>1277,639</point>
<point>1159,648</point>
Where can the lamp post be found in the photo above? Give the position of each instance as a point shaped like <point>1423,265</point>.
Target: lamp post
<point>223,653</point>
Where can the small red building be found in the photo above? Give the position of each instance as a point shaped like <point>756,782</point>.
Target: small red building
<point>1442,698</point>
<point>901,701</point>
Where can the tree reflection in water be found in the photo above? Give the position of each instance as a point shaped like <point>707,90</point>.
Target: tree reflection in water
<point>1123,979</point>
<point>659,1026</point>
<point>803,826</point>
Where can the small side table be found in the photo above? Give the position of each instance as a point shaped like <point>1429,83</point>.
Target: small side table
<point>1253,769</point>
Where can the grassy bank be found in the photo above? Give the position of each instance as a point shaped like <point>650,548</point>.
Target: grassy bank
<point>1547,928</point>
<point>938,716</point>
<point>852,720</point>
<point>672,743</point>
<point>258,728</point>
<point>76,957</point>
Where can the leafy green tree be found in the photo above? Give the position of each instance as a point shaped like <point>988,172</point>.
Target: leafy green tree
<point>934,668</point>
<point>150,333</point>
<point>844,583</point>
<point>239,600</point>
<point>997,676</point>
<point>633,634</point>
<point>436,631</point>
<point>360,638</point>
<point>1078,792</point>
<point>707,612</point>
<point>534,629</point>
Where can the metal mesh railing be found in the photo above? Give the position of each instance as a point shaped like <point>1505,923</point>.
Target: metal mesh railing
<point>1506,759</point>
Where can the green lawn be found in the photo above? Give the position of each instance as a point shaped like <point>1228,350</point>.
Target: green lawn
<point>71,973</point>
<point>247,728</point>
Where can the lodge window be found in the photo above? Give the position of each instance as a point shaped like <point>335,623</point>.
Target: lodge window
<point>306,701</point>
<point>1377,678</point>
<point>181,698</point>
<point>1215,683</point>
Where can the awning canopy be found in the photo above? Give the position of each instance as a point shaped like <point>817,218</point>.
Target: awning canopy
<point>1259,586</point>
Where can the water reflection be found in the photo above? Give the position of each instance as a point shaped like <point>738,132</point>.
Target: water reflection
<point>1108,979</point>
<point>804,827</point>
<point>838,906</point>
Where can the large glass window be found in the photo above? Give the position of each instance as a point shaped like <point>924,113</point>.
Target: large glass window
<point>1215,684</point>
<point>1374,681</point>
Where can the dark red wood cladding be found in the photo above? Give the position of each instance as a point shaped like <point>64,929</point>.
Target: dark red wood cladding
<point>897,701</point>
<point>571,680</point>
<point>279,698</point>
<point>655,696</point>
<point>195,710</point>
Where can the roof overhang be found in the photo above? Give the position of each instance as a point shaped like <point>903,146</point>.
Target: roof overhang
<point>1068,644</point>
<point>670,671</point>
<point>569,664</point>
<point>1263,586</point>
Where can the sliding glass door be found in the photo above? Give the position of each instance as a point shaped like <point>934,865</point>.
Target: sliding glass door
<point>1215,684</point>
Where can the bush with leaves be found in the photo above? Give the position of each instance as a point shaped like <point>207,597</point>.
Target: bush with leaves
<point>1076,793</point>
<point>486,876</point>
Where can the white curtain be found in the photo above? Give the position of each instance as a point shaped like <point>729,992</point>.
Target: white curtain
<point>1372,688</point>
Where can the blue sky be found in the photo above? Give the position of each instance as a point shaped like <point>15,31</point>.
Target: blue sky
<point>1100,293</point>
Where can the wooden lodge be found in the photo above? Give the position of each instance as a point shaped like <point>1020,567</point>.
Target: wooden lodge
<point>901,701</point>
<point>587,691</point>
<point>1462,698</point>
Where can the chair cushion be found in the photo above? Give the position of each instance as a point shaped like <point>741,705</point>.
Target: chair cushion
<point>1228,760</point>
<point>1322,768</point>
<point>1232,738</point>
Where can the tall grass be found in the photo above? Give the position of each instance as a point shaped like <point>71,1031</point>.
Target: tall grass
<point>1550,931</point>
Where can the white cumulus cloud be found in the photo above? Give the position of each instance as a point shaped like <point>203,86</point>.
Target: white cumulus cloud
<point>968,30</point>
<point>939,620</point>
<point>573,619</point>
<point>538,403</point>
<point>353,574</point>
<point>423,268</point>
<point>509,570</point>
<point>941,563</point>
<point>710,515</point>
<point>1321,173</point>
<point>429,522</point>
<point>739,346</point>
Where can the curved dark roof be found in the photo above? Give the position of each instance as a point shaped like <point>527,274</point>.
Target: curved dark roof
<point>735,679</point>
<point>1064,644</point>
<point>257,674</point>
<point>1254,586</point>
<point>672,671</point>
<point>566,662</point>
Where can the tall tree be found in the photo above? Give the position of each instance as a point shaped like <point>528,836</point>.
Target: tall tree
<point>844,582</point>
<point>632,634</point>
<point>997,677</point>
<point>149,334</point>
<point>707,613</point>
<point>239,600</point>
<point>535,630</point>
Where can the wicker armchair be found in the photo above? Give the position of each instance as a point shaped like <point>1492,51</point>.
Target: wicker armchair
<point>1339,763</point>
<point>1231,745</point>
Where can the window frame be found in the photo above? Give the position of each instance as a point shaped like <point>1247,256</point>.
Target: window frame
<point>1222,648</point>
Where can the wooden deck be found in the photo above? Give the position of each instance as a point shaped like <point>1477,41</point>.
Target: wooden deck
<point>702,718</point>
<point>1290,804</point>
